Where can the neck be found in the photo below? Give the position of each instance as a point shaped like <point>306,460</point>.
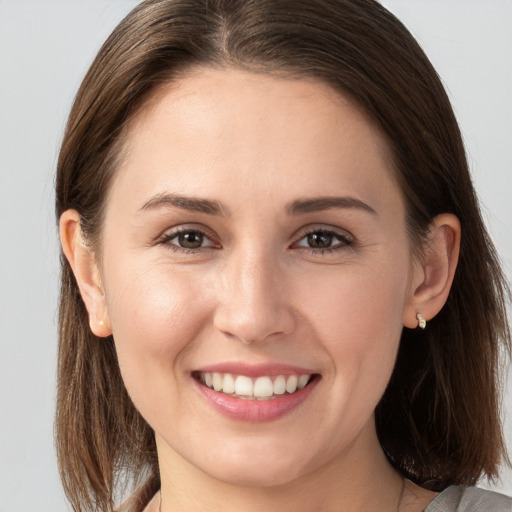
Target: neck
<point>359,479</point>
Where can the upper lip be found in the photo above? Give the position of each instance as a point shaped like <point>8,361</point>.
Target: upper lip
<point>258,370</point>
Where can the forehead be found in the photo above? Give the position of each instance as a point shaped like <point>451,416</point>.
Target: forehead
<point>215,127</point>
<point>223,97</point>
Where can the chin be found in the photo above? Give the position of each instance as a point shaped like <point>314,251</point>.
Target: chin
<point>259,462</point>
<point>257,475</point>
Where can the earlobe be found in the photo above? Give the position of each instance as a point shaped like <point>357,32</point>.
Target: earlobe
<point>433,275</point>
<point>84,266</point>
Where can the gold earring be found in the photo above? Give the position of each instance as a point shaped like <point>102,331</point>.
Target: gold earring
<point>422,323</point>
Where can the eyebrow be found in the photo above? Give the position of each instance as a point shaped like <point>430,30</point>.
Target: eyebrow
<point>317,204</point>
<point>297,207</point>
<point>186,203</point>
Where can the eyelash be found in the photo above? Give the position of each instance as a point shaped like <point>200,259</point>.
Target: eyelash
<point>344,241</point>
<point>167,238</point>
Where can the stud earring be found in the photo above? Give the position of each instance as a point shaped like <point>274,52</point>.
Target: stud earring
<point>422,323</point>
<point>95,322</point>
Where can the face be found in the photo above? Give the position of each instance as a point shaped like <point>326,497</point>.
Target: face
<point>256,270</point>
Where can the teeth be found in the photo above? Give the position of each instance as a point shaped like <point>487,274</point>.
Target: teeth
<point>279,385</point>
<point>259,388</point>
<point>218,382</point>
<point>228,384</point>
<point>291,384</point>
<point>303,380</point>
<point>263,387</point>
<point>243,386</point>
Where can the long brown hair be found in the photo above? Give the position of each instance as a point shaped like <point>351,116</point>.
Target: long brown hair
<point>438,421</point>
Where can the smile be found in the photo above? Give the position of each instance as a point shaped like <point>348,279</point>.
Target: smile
<point>255,394</point>
<point>260,388</point>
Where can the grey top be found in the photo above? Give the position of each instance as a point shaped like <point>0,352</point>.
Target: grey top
<point>469,499</point>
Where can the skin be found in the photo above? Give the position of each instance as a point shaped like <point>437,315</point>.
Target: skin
<point>255,292</point>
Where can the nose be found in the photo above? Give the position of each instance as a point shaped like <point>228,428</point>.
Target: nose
<point>253,305</point>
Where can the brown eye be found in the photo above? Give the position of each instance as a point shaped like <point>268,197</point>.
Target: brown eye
<point>320,240</point>
<point>187,240</point>
<point>190,239</point>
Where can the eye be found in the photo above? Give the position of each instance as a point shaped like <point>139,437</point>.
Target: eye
<point>324,240</point>
<point>190,239</point>
<point>187,240</point>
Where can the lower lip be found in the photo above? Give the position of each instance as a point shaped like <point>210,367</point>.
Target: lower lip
<point>257,411</point>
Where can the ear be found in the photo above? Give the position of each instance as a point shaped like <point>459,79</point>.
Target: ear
<point>83,263</point>
<point>433,276</point>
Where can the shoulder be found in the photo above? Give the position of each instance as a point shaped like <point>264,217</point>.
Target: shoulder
<point>470,499</point>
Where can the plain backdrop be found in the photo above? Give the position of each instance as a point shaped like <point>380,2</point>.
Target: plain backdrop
<point>45,48</point>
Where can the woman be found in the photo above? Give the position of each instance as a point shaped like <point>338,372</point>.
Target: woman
<point>277,290</point>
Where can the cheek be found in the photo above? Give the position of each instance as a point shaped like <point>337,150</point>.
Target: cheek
<point>356,301</point>
<point>357,314</point>
<point>155,314</point>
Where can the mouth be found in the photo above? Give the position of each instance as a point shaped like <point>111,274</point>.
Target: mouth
<point>256,394</point>
<point>264,387</point>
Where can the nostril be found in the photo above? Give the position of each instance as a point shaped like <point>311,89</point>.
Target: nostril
<point>257,327</point>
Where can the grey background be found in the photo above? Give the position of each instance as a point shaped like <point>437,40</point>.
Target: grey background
<point>45,48</point>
